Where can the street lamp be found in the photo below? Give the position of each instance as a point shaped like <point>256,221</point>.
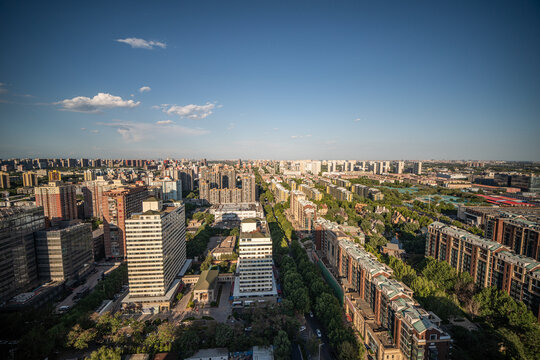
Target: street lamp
<point>321,344</point>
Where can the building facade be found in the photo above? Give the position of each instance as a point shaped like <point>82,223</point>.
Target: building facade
<point>118,206</point>
<point>58,201</point>
<point>156,252</point>
<point>255,277</point>
<point>488,262</point>
<point>64,254</point>
<point>18,270</point>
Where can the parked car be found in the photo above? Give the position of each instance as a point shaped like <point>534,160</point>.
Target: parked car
<point>319,335</point>
<point>302,328</point>
<point>311,314</point>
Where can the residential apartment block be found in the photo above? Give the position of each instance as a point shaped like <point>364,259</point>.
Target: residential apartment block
<point>489,263</point>
<point>303,211</point>
<point>281,194</point>
<point>118,206</point>
<point>30,179</point>
<point>58,201</point>
<point>382,309</point>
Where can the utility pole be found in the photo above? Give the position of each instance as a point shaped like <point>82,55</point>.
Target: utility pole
<point>321,344</point>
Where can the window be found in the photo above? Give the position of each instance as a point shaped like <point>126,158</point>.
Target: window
<point>433,337</point>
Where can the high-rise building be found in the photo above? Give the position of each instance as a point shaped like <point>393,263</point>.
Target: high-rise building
<point>64,254</point>
<point>400,166</point>
<point>93,197</point>
<point>54,175</point>
<point>18,270</point>
<point>255,277</point>
<point>58,201</point>
<point>187,176</point>
<point>417,168</point>
<point>4,180</point>
<point>171,189</point>
<point>30,179</point>
<point>89,175</point>
<point>156,252</point>
<point>118,205</point>
<point>249,188</point>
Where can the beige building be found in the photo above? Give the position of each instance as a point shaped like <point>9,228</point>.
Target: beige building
<point>205,291</point>
<point>30,179</point>
<point>156,252</point>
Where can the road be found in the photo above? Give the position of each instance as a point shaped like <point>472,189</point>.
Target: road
<point>311,325</point>
<point>91,282</point>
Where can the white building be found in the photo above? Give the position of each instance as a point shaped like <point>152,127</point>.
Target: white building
<point>156,252</point>
<point>255,277</point>
<point>236,212</point>
<point>172,189</point>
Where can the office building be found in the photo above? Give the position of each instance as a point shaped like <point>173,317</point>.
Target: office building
<point>488,262</point>
<point>58,201</point>
<point>255,277</point>
<point>30,179</point>
<point>118,206</point>
<point>64,254</point>
<point>236,212</point>
<point>156,252</point>
<point>4,180</point>
<point>18,271</point>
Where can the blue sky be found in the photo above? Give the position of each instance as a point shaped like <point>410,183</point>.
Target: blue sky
<point>270,80</point>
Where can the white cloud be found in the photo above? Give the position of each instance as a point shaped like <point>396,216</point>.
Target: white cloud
<point>137,131</point>
<point>142,44</point>
<point>300,136</point>
<point>145,89</point>
<point>357,120</point>
<point>83,129</point>
<point>164,122</point>
<point>97,103</point>
<point>191,111</point>
<point>3,89</point>
<point>94,131</point>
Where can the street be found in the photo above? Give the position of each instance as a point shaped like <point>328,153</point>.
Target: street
<point>90,282</point>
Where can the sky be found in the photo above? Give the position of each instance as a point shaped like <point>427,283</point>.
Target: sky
<point>270,79</point>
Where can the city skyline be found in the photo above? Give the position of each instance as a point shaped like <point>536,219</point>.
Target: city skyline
<point>271,81</point>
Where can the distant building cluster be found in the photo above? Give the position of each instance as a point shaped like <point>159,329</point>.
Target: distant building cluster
<point>218,185</point>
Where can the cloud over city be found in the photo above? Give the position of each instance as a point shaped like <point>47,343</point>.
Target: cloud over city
<point>191,111</point>
<point>145,89</point>
<point>96,104</point>
<point>131,131</point>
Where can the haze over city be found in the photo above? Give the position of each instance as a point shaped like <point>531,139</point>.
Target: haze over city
<point>271,80</point>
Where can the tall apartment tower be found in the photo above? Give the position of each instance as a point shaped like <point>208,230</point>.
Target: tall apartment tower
<point>118,206</point>
<point>58,201</point>
<point>400,166</point>
<point>187,176</point>
<point>4,180</point>
<point>417,168</point>
<point>89,175</point>
<point>93,197</point>
<point>156,252</point>
<point>255,277</point>
<point>64,254</point>
<point>18,257</point>
<point>249,189</point>
<point>54,175</point>
<point>30,179</point>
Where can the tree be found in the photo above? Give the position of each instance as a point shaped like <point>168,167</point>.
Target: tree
<point>223,335</point>
<point>282,346</point>
<point>207,263</point>
<point>347,351</point>
<point>106,353</point>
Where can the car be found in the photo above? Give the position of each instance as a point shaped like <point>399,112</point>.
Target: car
<point>311,314</point>
<point>319,335</point>
<point>63,308</point>
<point>302,328</point>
